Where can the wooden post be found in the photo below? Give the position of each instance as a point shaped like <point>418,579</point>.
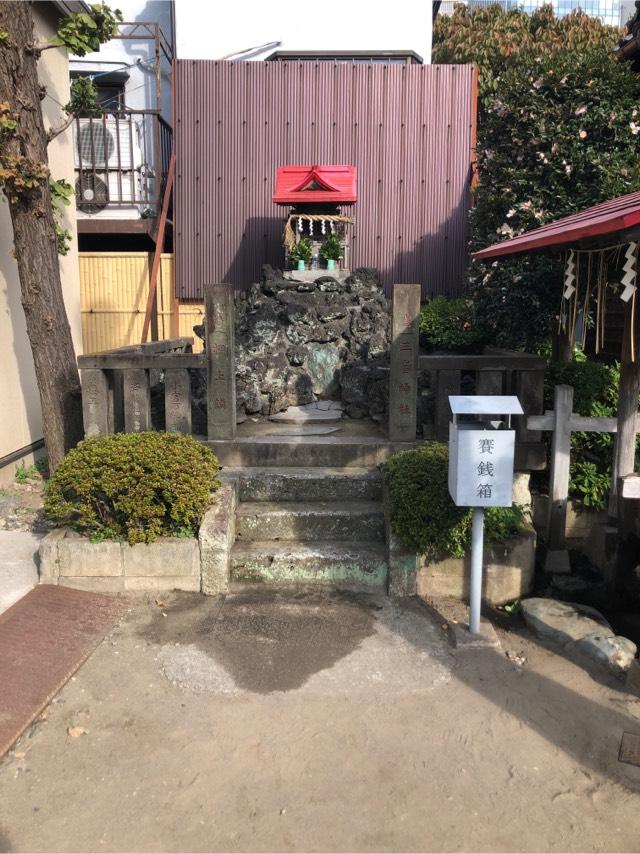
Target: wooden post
<point>159,241</point>
<point>624,448</point>
<point>403,376</point>
<point>221,375</point>
<point>489,382</point>
<point>177,401</point>
<point>560,453</point>
<point>95,402</point>
<point>530,391</point>
<point>137,401</point>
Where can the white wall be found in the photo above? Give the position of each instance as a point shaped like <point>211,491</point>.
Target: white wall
<point>138,55</point>
<point>214,30</point>
<point>20,416</point>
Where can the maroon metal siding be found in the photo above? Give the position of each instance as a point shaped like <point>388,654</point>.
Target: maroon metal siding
<point>407,129</point>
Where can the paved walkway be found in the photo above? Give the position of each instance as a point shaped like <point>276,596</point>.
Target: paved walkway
<point>303,724</point>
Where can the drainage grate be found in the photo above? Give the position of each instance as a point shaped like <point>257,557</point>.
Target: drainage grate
<point>629,748</point>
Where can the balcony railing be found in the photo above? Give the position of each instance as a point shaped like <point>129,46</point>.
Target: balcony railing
<point>121,162</point>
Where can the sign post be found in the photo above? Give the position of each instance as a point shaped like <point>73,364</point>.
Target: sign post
<point>481,458</point>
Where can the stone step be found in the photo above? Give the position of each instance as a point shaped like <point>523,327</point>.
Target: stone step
<point>317,520</point>
<point>307,484</point>
<point>306,452</point>
<point>337,565</point>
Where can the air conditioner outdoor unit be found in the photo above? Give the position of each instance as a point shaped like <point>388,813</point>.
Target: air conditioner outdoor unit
<point>106,143</point>
<point>108,195</point>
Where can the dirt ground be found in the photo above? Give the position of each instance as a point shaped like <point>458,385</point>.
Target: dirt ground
<point>306,723</point>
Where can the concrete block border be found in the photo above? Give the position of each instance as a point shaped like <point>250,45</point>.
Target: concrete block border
<point>508,569</point>
<point>190,564</point>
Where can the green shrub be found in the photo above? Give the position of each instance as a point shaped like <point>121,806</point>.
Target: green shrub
<point>136,486</point>
<point>423,515</point>
<point>447,324</point>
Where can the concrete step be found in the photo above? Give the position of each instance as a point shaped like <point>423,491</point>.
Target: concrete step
<point>337,565</point>
<point>306,452</point>
<point>304,484</point>
<point>303,521</point>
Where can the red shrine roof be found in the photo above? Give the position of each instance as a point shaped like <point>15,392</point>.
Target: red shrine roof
<point>297,184</point>
<point>607,218</point>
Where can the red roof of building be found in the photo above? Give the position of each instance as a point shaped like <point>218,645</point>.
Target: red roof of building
<point>297,184</point>
<point>616,215</point>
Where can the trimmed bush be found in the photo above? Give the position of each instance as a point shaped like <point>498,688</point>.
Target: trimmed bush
<point>134,486</point>
<point>423,515</point>
<point>447,324</point>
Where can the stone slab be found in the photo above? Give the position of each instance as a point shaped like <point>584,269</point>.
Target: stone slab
<point>314,520</point>
<point>310,413</point>
<point>338,565</point>
<point>18,565</point>
<point>508,572</point>
<point>189,583</point>
<point>77,556</point>
<point>216,536</point>
<point>615,653</point>
<point>563,622</point>
<point>165,557</point>
<point>487,638</point>
<point>308,484</point>
<point>305,430</point>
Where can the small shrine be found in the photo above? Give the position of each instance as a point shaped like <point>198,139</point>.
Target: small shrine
<point>316,232</point>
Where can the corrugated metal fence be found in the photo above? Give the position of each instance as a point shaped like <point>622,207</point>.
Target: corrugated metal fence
<point>409,130</point>
<point>113,299</point>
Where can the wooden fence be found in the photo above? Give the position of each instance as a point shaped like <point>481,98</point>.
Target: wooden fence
<point>113,299</point>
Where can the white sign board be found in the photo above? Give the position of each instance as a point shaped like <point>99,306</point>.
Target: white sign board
<point>481,466</point>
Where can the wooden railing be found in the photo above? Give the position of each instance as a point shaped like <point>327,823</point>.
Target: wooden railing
<point>116,386</point>
<point>493,372</point>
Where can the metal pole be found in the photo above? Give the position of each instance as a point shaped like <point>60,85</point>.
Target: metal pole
<point>475,594</point>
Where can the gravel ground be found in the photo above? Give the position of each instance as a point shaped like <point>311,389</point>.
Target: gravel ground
<point>307,723</point>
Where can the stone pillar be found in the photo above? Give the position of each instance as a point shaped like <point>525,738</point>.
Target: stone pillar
<point>221,377</point>
<point>403,379</point>
<point>177,401</point>
<point>95,402</point>
<point>137,401</point>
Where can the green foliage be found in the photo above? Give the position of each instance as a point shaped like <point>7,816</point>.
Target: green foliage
<point>26,473</point>
<point>558,131</point>
<point>590,484</point>
<point>61,192</point>
<point>447,324</point>
<point>301,251</point>
<point>137,486</point>
<point>496,40</point>
<point>595,387</point>
<point>331,249</point>
<point>84,32</point>
<point>84,98</point>
<point>424,517</point>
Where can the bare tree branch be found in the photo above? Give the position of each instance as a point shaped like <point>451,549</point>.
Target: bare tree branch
<point>52,133</point>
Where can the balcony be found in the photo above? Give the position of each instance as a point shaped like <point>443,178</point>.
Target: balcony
<point>121,162</point>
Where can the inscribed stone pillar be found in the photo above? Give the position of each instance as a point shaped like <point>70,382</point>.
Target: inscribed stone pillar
<point>95,402</point>
<point>177,401</point>
<point>403,379</point>
<point>221,380</point>
<point>137,401</point>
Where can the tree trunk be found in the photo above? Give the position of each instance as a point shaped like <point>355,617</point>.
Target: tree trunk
<point>35,239</point>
